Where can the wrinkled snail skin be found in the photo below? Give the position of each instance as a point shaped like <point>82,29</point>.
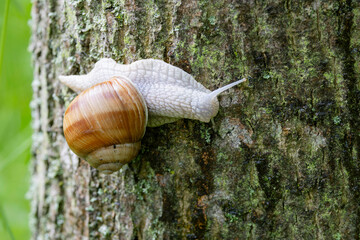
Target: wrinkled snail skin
<point>105,123</point>
<point>170,93</point>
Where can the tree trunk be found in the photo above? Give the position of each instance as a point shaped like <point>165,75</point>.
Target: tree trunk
<point>279,161</point>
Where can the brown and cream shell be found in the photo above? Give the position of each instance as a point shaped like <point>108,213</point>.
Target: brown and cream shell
<point>105,124</point>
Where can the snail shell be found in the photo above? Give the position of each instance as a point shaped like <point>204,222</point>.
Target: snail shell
<point>105,124</point>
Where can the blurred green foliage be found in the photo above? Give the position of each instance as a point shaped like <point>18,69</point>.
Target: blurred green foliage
<point>15,120</point>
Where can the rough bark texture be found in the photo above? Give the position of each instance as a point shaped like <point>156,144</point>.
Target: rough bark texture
<point>279,161</point>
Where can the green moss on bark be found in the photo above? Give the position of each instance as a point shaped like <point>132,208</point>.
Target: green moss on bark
<point>280,160</point>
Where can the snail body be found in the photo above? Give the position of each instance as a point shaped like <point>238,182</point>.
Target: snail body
<point>170,93</point>
<point>156,92</point>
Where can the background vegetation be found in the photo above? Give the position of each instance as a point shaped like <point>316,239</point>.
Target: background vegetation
<point>15,119</point>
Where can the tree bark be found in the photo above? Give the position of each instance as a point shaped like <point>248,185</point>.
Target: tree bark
<point>279,161</point>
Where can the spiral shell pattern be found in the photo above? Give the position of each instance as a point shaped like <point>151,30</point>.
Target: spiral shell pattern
<point>105,124</point>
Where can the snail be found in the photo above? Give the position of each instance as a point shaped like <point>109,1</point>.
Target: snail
<point>149,93</point>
